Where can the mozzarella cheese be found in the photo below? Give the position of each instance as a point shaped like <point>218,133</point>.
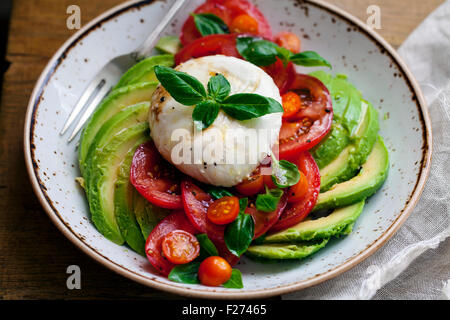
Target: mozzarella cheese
<point>229,150</point>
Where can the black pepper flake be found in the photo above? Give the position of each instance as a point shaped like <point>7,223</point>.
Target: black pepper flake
<point>215,164</point>
<point>327,110</point>
<point>162,99</point>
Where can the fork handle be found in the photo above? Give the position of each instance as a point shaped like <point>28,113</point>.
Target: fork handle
<point>147,46</point>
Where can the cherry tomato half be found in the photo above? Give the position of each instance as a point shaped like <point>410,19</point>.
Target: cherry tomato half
<point>298,211</point>
<point>214,271</point>
<point>196,203</point>
<point>311,123</point>
<point>252,185</point>
<point>291,104</point>
<point>154,178</point>
<point>153,246</point>
<point>232,12</point>
<point>180,247</point>
<point>223,210</point>
<point>288,40</point>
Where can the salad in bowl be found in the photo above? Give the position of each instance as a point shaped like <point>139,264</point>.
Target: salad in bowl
<point>219,147</point>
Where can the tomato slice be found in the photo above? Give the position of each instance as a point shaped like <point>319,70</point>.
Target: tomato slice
<point>154,178</point>
<point>265,220</point>
<point>282,75</point>
<point>312,123</point>
<point>196,203</point>
<point>231,12</point>
<point>153,247</point>
<point>289,41</point>
<point>223,210</point>
<point>291,104</point>
<point>180,247</point>
<point>296,212</point>
<point>297,192</point>
<point>208,46</point>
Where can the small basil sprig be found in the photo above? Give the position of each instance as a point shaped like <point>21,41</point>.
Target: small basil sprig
<point>264,53</point>
<point>284,173</point>
<point>235,281</point>
<point>187,90</point>
<point>208,23</point>
<point>239,234</point>
<point>207,247</point>
<point>217,192</point>
<point>185,273</point>
<point>268,201</point>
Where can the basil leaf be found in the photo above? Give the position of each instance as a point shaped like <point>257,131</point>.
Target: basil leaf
<point>268,202</point>
<point>218,87</point>
<point>218,192</point>
<point>208,23</point>
<point>239,234</point>
<point>235,281</point>
<point>309,59</point>
<point>243,203</point>
<point>185,273</point>
<point>207,247</point>
<point>284,173</point>
<point>205,113</point>
<point>184,88</point>
<point>245,106</point>
<point>256,51</point>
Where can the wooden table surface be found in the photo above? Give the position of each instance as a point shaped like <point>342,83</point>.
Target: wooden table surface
<point>34,255</point>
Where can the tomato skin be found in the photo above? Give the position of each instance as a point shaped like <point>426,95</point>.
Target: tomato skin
<point>154,178</point>
<point>227,10</point>
<point>214,271</point>
<point>223,210</point>
<point>207,46</point>
<point>265,220</point>
<point>244,24</point>
<point>288,40</point>
<point>313,121</point>
<point>298,211</point>
<point>282,75</point>
<point>153,246</point>
<point>180,247</point>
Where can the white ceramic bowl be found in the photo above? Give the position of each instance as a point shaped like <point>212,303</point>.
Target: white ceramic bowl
<point>371,64</point>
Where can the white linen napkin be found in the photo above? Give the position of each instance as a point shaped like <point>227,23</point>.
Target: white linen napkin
<point>415,262</point>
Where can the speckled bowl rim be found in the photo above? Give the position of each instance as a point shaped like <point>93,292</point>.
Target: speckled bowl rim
<point>238,294</point>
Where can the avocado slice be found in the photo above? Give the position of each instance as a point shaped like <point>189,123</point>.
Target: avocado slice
<point>147,214</point>
<point>143,71</point>
<point>372,175</point>
<point>336,223</point>
<point>112,104</point>
<point>122,120</point>
<point>347,163</point>
<point>123,207</point>
<point>101,186</point>
<point>332,146</point>
<point>348,113</point>
<point>169,44</point>
<point>284,251</point>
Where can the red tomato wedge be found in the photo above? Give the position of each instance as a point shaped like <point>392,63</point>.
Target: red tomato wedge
<point>153,246</point>
<point>208,46</point>
<point>226,44</point>
<point>265,220</point>
<point>154,178</point>
<point>180,247</point>
<point>231,12</point>
<point>312,123</point>
<point>296,212</point>
<point>196,203</point>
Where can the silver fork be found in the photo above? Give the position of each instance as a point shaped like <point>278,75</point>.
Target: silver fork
<point>110,74</point>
